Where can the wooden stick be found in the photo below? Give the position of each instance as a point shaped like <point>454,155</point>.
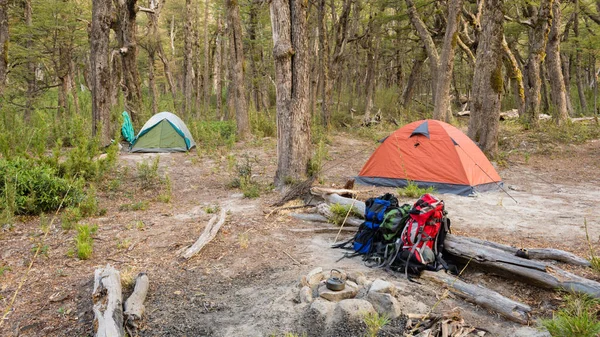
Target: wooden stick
<point>286,253</point>
<point>321,229</point>
<point>209,233</point>
<point>482,296</point>
<point>134,306</point>
<point>108,303</point>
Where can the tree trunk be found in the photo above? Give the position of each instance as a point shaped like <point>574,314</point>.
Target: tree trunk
<point>31,66</point>
<point>3,43</point>
<point>217,69</point>
<point>553,65</point>
<point>126,30</point>
<point>538,36</point>
<point>487,79</point>
<point>100,69</point>
<point>371,77</point>
<point>415,74</point>
<point>323,57</point>
<point>206,81</point>
<point>516,77</point>
<point>152,82</point>
<point>441,109</point>
<point>578,72</point>
<point>74,86</point>
<point>188,71</point>
<point>237,76</point>
<point>290,51</point>
<point>427,41</point>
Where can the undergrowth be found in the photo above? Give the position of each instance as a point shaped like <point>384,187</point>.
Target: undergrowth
<point>341,211</point>
<point>577,317</point>
<point>375,322</point>
<point>244,180</point>
<point>412,190</point>
<point>84,243</point>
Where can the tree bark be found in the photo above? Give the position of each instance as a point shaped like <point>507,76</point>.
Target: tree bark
<point>134,306</point>
<point>188,71</point>
<point>442,110</point>
<point>290,51</point>
<point>578,72</point>
<point>371,47</point>
<point>516,77</point>
<point>108,302</point>
<point>415,74</point>
<point>237,76</point>
<point>209,233</point>
<point>323,57</point>
<point>538,36</point>
<point>100,69</point>
<point>206,73</point>
<point>486,298</point>
<point>217,69</point>
<point>4,38</point>
<point>31,66</point>
<point>427,41</point>
<point>553,65</point>
<point>487,79</point>
<point>126,30</point>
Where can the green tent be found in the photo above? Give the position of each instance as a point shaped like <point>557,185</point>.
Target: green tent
<point>163,132</point>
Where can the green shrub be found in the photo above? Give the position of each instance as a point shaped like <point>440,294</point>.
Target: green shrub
<point>315,165</point>
<point>84,243</point>
<point>147,173</point>
<point>136,206</point>
<point>577,317</point>
<point>375,322</point>
<point>341,211</point>
<point>70,217</point>
<point>167,191</point>
<point>89,205</point>
<point>29,187</point>
<point>213,134</point>
<point>412,190</point>
<point>262,124</point>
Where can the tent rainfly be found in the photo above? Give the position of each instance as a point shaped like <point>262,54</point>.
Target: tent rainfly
<point>163,132</point>
<point>430,153</point>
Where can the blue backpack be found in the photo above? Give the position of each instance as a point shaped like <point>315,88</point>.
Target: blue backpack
<point>368,232</point>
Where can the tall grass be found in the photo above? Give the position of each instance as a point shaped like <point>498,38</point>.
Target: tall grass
<point>577,317</point>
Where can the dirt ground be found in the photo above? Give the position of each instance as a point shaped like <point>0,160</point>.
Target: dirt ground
<point>245,282</point>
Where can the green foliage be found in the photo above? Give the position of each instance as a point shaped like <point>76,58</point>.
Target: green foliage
<point>147,173</point>
<point>84,243</point>
<point>594,260</point>
<point>375,322</point>
<point>70,217</point>
<point>210,135</point>
<point>4,269</point>
<point>577,317</point>
<point>29,187</point>
<point>89,205</point>
<point>262,124</point>
<point>166,193</point>
<point>412,190</point>
<point>243,180</point>
<point>212,209</point>
<point>136,206</point>
<point>341,211</point>
<point>43,249</point>
<point>315,164</point>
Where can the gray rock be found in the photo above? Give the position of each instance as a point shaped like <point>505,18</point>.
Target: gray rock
<point>352,310</point>
<point>322,308</point>
<point>355,275</point>
<point>411,306</point>
<point>313,277</point>
<point>336,296</point>
<point>385,304</point>
<point>528,332</point>
<point>384,287</point>
<point>306,295</point>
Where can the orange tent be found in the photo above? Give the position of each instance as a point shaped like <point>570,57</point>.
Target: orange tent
<point>430,153</point>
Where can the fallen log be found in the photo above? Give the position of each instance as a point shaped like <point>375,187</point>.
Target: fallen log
<point>108,303</point>
<point>318,190</point>
<point>482,296</point>
<point>322,229</point>
<point>538,273</point>
<point>325,210</point>
<point>310,217</point>
<point>134,306</point>
<point>337,199</point>
<point>213,226</point>
<point>536,253</point>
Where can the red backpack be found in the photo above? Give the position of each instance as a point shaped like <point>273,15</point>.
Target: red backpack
<point>426,224</point>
